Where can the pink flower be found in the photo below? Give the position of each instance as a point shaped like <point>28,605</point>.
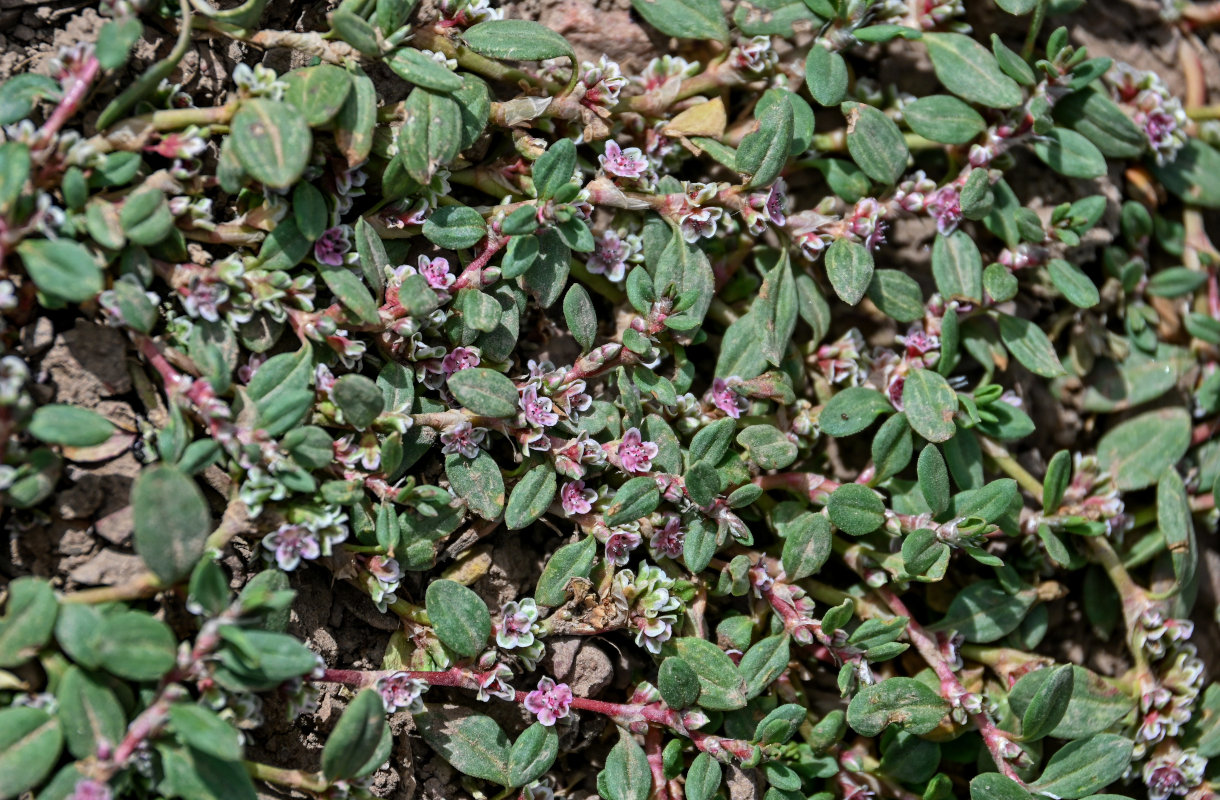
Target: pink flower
<point>701,223</point>
<point>619,546</point>
<point>458,359</point>
<point>291,543</point>
<point>634,453</point>
<point>400,690</point>
<point>538,410</point>
<point>727,400</point>
<point>436,272</point>
<point>629,163</point>
<point>89,789</point>
<point>576,498</point>
<point>332,246</point>
<point>549,702</point>
<point>777,200</point>
<point>462,437</point>
<point>668,541</point>
<point>610,254</point>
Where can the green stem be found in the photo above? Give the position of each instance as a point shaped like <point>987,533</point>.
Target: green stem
<point>1010,467</point>
<point>1035,28</point>
<point>153,76</point>
<point>295,778</point>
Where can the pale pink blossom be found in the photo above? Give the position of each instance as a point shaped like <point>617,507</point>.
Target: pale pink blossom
<point>634,453</point>
<point>538,410</point>
<point>549,702</point>
<point>629,163</point>
<point>576,499</point>
<point>727,400</point>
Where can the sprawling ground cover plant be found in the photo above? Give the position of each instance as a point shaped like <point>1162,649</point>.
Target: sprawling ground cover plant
<point>647,321</point>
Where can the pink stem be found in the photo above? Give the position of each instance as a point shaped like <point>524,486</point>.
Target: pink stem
<point>951,687</point>
<point>69,103</point>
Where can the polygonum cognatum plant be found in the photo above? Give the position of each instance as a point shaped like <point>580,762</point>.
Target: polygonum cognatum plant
<point>653,326</point>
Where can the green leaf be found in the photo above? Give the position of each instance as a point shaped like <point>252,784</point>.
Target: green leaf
<point>1191,174</point>
<point>71,426</point>
<point>455,227</point>
<point>357,120</point>
<point>684,269</point>
<point>849,265</point>
<point>765,661</point>
<point>1077,288</point>
<point>1138,451</point>
<point>897,295</point>
<point>685,19</point>
<point>14,170</point>
<point>554,168</point>
<point>414,67</point>
<point>573,560</point>
<point>516,40</point>
<point>677,682</point>
<point>459,617</point>
<point>852,410</point>
<point>767,446</point>
<point>581,316</point>
<point>994,786</point>
<point>634,499</point>
<point>318,92</point>
<point>826,75</point>
<point>892,447</point>
<point>1173,517</point>
<point>1094,705</point>
<point>770,17</point>
<point>30,743</point>
<point>356,737</point>
<point>1092,113</point>
<point>548,273</point>
<point>904,702</point>
<point>19,93</point>
<point>484,391</point>
<point>776,307</point>
<point>703,778</point>
<point>351,292</point>
<point>968,70</point>
<point>1025,340</point>
<point>430,137</point>
<point>985,612</point>
<point>519,256</point>
<point>957,267</point>
<point>360,400</point>
<point>532,754</point>
<point>930,404</point>
<point>721,686</point>
<point>943,118</point>
<point>531,497</point>
<point>1069,153</point>
<point>806,546</point>
<point>136,646</point>
<point>923,554</point>
<point>62,270</point>
<point>699,546</point>
<point>763,153</point>
<point>1055,483</point>
<point>170,521</point>
<point>1048,704</point>
<point>29,619</point>
<point>1083,767</point>
<point>934,478</point>
<point>259,659</point>
<point>478,482</point>
<point>201,728</point>
<point>272,142</point>
<point>875,143</point>
<point>627,775</point>
<point>855,509</point>
<point>470,742</point>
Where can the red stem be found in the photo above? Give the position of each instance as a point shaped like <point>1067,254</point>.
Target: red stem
<point>472,275</point>
<point>69,103</point>
<point>950,686</point>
